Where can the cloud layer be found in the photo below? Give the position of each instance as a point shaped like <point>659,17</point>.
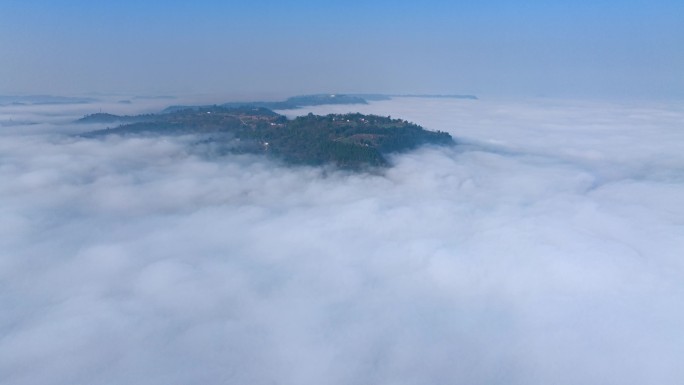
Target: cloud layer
<point>544,249</point>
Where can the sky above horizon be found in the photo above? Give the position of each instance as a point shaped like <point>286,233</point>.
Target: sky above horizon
<point>592,49</point>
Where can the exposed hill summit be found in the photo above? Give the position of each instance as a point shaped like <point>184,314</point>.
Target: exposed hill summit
<point>351,141</point>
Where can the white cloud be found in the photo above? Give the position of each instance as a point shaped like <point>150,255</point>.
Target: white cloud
<point>546,249</point>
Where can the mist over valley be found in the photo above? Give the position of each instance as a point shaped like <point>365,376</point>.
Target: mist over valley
<point>544,247</point>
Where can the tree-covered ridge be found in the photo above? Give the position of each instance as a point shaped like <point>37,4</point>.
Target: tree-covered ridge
<point>349,141</point>
<point>103,117</point>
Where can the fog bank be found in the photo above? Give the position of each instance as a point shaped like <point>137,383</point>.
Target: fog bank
<point>545,248</point>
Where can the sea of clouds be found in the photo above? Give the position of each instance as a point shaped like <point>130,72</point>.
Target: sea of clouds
<point>546,248</point>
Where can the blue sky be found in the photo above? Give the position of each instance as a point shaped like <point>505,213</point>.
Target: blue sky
<point>524,48</point>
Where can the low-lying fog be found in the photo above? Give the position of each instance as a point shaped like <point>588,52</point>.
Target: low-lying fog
<point>547,248</point>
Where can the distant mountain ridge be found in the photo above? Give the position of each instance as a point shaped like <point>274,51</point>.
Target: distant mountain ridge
<point>43,99</point>
<point>321,99</point>
<point>288,104</point>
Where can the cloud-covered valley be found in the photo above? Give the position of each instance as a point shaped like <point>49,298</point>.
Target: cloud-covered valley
<point>545,248</point>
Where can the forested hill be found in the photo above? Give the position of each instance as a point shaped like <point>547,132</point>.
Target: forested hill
<point>351,141</point>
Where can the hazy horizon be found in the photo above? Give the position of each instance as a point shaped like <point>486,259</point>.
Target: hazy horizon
<point>587,49</point>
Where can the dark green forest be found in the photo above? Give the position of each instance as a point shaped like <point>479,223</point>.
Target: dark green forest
<point>350,141</point>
